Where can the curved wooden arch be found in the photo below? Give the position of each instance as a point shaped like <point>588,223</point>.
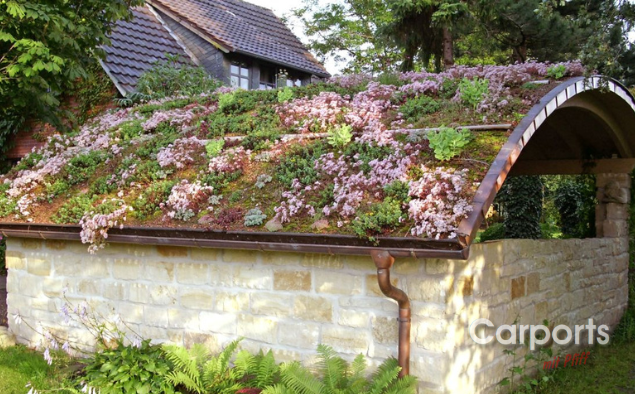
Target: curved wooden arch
<point>581,93</point>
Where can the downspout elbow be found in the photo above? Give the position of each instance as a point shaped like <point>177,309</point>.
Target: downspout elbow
<point>384,262</point>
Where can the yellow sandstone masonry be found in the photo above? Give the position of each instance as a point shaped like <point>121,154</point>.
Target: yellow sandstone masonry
<point>291,302</point>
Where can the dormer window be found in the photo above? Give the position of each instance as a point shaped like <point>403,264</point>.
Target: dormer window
<point>239,76</point>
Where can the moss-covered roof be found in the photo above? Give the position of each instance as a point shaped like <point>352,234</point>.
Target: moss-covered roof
<point>351,156</point>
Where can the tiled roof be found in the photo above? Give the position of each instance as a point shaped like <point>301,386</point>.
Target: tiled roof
<point>244,28</point>
<point>136,45</point>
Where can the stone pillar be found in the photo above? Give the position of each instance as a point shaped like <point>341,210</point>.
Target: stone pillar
<point>614,197</point>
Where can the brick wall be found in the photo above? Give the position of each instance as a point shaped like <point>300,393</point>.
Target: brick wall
<point>291,302</point>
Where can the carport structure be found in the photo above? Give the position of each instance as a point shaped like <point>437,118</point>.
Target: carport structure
<point>583,126</point>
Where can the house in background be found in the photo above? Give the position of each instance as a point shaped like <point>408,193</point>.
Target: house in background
<point>241,44</point>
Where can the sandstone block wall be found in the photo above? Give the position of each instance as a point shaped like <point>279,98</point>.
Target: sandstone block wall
<point>291,302</point>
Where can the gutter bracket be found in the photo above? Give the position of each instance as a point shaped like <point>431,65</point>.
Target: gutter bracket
<point>384,262</point>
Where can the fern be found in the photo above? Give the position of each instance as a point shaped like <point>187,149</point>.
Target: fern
<point>217,374</point>
<point>333,368</point>
<point>245,362</point>
<point>299,379</point>
<point>186,366</point>
<point>385,375</point>
<point>357,378</point>
<point>277,389</point>
<point>266,371</point>
<point>405,385</point>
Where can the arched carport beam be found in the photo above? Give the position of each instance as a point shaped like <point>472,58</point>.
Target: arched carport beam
<point>561,96</point>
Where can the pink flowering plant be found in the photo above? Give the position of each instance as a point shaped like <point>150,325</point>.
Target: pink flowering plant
<point>331,152</point>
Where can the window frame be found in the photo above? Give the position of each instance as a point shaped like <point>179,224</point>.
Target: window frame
<point>240,75</point>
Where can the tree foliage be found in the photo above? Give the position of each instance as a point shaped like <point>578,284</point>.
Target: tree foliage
<point>434,34</point>
<point>521,197</point>
<point>346,32</point>
<point>45,46</point>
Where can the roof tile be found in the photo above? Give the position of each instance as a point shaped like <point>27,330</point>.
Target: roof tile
<point>245,28</point>
<point>136,45</point>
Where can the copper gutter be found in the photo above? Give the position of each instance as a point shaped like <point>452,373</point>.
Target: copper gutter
<point>384,262</point>
<point>284,242</point>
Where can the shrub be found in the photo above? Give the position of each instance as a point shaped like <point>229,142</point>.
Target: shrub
<point>262,180</point>
<point>82,167</point>
<point>472,92</point>
<point>521,197</point>
<point>172,78</point>
<point>213,148</point>
<point>415,108</point>
<point>366,152</point>
<point>448,143</point>
<point>132,368</point>
<point>73,210</point>
<point>574,199</point>
<point>340,136</point>
<point>254,217</point>
<point>381,216</point>
<point>285,95</point>
<point>7,206</point>
<point>493,232</point>
<point>299,164</point>
<point>57,188</point>
<point>556,71</point>
<point>260,139</point>
<point>149,202</point>
<point>398,191</point>
<point>130,130</point>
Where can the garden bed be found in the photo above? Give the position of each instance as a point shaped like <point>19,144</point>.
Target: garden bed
<point>349,156</point>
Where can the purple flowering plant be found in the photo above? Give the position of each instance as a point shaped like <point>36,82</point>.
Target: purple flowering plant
<point>341,183</point>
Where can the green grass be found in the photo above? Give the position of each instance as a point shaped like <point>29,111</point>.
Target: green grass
<point>609,370</point>
<point>20,365</point>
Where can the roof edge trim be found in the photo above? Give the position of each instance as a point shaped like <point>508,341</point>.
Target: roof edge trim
<point>193,28</point>
<point>114,80</point>
<point>173,35</point>
<point>304,243</point>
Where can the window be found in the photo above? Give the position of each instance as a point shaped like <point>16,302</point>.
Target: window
<point>267,78</point>
<point>292,82</point>
<point>239,76</point>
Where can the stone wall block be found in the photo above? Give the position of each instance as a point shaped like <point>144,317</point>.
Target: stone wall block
<point>292,280</point>
<point>337,283</point>
<point>15,260</point>
<point>354,318</point>
<point>231,302</point>
<point>313,308</point>
<point>299,335</point>
<point>194,298</point>
<point>192,273</point>
<point>345,340</point>
<point>39,266</point>
<point>253,277</point>
<point>257,328</point>
<point>223,323</point>
<point>271,304</point>
<point>127,269</point>
<point>431,290</point>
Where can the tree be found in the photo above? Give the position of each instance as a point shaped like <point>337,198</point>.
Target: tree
<point>603,28</point>
<point>516,26</point>
<point>346,32</point>
<point>45,46</point>
<point>423,29</point>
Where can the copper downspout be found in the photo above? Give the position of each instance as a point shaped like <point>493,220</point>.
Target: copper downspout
<point>384,262</point>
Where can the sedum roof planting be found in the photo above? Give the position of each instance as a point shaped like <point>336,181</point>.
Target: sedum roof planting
<point>350,157</point>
